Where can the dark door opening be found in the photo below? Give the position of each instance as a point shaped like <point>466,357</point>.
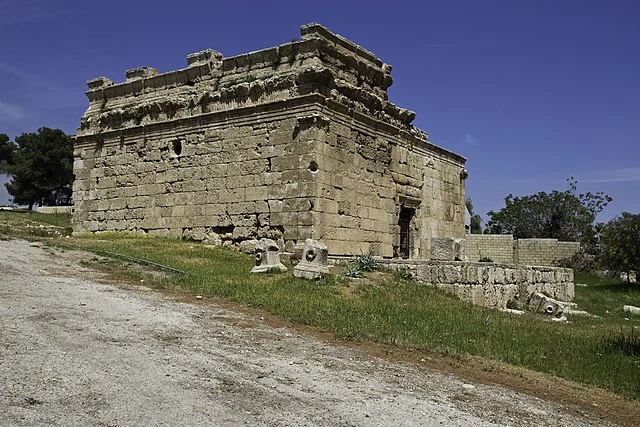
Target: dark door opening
<point>404,221</point>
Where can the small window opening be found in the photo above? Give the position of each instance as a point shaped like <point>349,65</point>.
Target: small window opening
<point>176,146</point>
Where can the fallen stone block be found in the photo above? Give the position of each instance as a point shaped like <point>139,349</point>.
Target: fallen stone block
<point>631,309</point>
<point>267,255</point>
<point>540,303</point>
<point>314,260</point>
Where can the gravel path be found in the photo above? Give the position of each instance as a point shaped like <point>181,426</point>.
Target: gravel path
<point>78,352</point>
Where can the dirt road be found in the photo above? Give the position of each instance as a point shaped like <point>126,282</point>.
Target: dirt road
<point>75,351</point>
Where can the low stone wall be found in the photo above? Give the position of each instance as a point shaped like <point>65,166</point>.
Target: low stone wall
<point>503,248</point>
<point>490,285</point>
<point>55,209</point>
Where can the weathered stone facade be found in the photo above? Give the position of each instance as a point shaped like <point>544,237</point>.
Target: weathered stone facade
<point>293,142</point>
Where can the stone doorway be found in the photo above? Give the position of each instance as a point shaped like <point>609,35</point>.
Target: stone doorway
<point>404,228</point>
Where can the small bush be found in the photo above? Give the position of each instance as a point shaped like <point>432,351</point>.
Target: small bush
<point>353,270</point>
<point>366,262</point>
<point>579,261</point>
<point>485,259</point>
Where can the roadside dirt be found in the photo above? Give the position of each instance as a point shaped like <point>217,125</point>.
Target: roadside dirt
<point>79,348</point>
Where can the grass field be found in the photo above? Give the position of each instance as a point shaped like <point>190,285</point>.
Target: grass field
<point>601,351</point>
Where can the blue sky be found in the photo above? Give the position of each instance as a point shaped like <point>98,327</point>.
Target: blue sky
<point>531,92</point>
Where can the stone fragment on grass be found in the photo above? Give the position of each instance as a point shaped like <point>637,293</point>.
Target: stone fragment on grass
<point>267,255</point>
<point>540,303</point>
<point>314,260</point>
<point>632,309</point>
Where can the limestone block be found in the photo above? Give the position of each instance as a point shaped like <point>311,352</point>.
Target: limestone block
<point>314,260</point>
<point>248,246</point>
<point>447,249</point>
<point>540,303</point>
<point>450,274</point>
<point>140,73</point>
<point>631,309</point>
<point>244,232</point>
<point>267,255</point>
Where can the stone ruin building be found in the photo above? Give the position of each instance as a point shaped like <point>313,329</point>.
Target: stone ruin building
<point>288,143</point>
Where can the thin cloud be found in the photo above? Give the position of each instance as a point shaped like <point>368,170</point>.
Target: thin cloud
<point>616,175</point>
<point>469,139</point>
<point>27,77</point>
<point>11,112</point>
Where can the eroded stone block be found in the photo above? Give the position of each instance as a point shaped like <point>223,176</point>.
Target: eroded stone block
<point>540,303</point>
<point>267,257</point>
<point>314,260</point>
<point>447,249</point>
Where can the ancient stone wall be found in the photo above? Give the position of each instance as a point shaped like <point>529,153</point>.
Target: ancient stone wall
<point>490,285</point>
<point>292,142</point>
<point>505,249</point>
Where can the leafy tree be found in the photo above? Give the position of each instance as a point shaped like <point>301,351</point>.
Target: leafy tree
<point>561,215</point>
<point>475,219</point>
<point>6,150</point>
<point>40,165</point>
<point>620,244</point>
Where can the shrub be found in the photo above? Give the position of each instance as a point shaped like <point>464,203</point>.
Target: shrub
<point>353,270</point>
<point>366,262</point>
<point>580,261</point>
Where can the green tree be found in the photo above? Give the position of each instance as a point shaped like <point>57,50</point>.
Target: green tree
<point>40,166</point>
<point>620,244</point>
<point>6,152</point>
<point>475,219</point>
<point>562,215</point>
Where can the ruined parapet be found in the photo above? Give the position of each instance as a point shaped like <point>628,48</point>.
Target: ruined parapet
<point>204,57</point>
<point>314,261</point>
<point>267,255</point>
<point>319,62</point>
<point>140,73</point>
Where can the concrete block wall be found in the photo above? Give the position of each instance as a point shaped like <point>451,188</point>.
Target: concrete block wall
<point>505,249</point>
<point>497,247</point>
<point>543,251</point>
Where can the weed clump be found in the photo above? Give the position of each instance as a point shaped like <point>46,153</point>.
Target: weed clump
<point>360,264</point>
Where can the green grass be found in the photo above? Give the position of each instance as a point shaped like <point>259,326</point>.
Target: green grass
<point>34,224</point>
<point>384,307</point>
<point>605,296</point>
